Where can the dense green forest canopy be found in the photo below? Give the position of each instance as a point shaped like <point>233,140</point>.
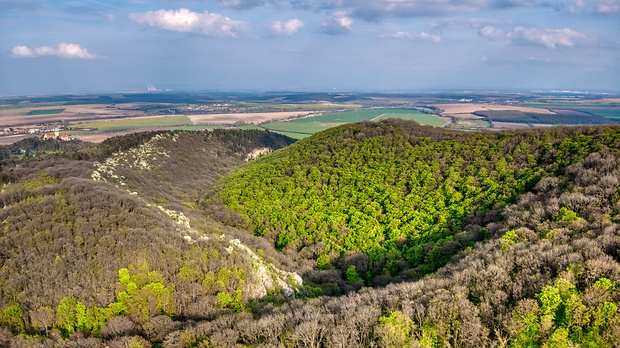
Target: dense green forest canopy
<point>183,239</point>
<point>402,197</point>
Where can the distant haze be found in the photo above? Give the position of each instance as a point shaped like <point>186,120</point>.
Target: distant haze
<point>59,46</point>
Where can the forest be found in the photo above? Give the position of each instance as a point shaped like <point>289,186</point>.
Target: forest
<point>386,234</point>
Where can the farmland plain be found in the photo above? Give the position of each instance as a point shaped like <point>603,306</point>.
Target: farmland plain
<point>298,115</point>
<point>135,123</point>
<point>303,127</point>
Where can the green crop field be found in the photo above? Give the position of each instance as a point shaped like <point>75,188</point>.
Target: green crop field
<point>136,123</point>
<point>202,127</point>
<point>44,112</point>
<point>249,126</point>
<point>603,112</point>
<point>465,124</point>
<point>303,127</point>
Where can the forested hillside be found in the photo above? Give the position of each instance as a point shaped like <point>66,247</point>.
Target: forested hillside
<point>394,199</point>
<point>548,276</point>
<point>98,247</point>
<point>405,236</point>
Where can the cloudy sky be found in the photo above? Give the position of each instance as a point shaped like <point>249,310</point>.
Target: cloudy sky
<point>58,46</point>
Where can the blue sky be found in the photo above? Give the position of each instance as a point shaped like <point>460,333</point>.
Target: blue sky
<point>60,46</point>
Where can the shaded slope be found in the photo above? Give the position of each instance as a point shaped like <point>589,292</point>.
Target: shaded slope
<point>173,169</point>
<point>403,197</point>
<point>66,238</point>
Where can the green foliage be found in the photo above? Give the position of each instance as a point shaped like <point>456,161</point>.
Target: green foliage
<point>38,181</point>
<point>233,302</point>
<point>123,276</point>
<point>566,215</point>
<point>509,238</point>
<point>12,318</point>
<point>395,330</point>
<point>143,294</point>
<point>352,276</point>
<point>396,191</point>
<point>564,319</point>
<point>527,333</point>
<point>323,262</point>
<point>605,284</point>
<point>66,319</point>
<point>549,299</point>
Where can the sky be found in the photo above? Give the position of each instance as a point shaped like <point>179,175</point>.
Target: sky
<point>91,46</point>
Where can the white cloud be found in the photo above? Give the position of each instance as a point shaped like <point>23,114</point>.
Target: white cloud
<point>290,27</point>
<point>491,33</point>
<point>22,51</point>
<point>605,7</point>
<point>423,36</point>
<point>550,38</point>
<point>186,21</point>
<point>337,23</point>
<point>429,37</point>
<point>64,50</point>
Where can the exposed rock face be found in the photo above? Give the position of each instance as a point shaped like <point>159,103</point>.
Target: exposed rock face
<point>140,158</point>
<point>256,153</point>
<point>268,277</point>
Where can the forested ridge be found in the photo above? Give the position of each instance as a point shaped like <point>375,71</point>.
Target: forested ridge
<point>394,199</point>
<point>104,241</point>
<point>405,236</point>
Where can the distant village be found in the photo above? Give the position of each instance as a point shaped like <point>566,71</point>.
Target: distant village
<point>40,131</point>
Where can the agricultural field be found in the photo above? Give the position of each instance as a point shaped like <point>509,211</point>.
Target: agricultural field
<point>320,106</point>
<point>29,115</point>
<point>559,117</point>
<point>605,107</point>
<point>297,115</point>
<point>134,123</point>
<point>469,124</point>
<point>201,127</point>
<point>249,117</point>
<point>607,112</point>
<point>303,127</point>
<point>470,108</point>
<point>45,112</point>
<point>248,126</point>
